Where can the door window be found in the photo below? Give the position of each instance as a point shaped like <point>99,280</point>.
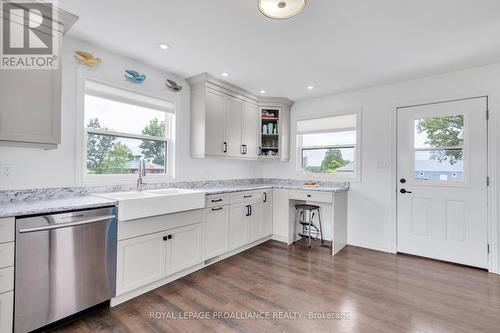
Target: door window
<point>439,149</point>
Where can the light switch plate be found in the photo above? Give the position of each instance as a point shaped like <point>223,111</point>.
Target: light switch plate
<point>5,171</point>
<point>383,164</point>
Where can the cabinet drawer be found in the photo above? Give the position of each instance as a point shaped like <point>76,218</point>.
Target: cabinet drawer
<point>215,200</point>
<point>311,196</point>
<point>6,255</point>
<point>6,279</point>
<point>246,197</point>
<point>6,312</point>
<point>7,227</point>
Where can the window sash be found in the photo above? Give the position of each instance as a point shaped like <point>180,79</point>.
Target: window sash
<point>329,147</point>
<point>125,135</point>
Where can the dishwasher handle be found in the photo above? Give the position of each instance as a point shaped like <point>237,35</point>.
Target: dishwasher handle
<point>67,225</point>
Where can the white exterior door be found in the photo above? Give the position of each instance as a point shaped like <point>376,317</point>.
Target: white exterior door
<point>442,181</point>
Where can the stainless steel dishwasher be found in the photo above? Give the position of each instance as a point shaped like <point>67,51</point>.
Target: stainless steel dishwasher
<point>65,263</point>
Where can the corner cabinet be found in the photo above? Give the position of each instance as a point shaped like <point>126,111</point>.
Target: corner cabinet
<point>226,121</point>
<point>30,100</point>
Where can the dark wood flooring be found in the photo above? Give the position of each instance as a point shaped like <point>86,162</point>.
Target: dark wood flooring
<point>377,292</point>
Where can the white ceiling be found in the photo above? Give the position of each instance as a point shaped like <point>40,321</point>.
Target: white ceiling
<point>335,45</point>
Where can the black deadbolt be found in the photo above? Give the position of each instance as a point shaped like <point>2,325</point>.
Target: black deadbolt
<point>402,180</point>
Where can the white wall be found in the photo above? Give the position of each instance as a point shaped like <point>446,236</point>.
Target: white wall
<point>371,201</point>
<point>31,168</point>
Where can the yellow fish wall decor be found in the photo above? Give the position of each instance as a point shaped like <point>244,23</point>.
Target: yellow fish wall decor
<point>86,58</point>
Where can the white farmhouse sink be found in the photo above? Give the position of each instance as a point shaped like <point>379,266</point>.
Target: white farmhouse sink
<point>139,204</point>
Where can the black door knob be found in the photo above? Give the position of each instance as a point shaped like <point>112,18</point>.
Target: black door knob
<point>403,191</point>
<point>402,180</point>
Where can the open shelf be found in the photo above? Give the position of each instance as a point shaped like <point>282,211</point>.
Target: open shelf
<point>269,136</point>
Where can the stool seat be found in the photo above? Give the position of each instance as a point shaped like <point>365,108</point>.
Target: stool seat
<point>306,206</point>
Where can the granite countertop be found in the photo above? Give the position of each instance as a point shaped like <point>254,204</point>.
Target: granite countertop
<point>231,189</point>
<point>53,200</point>
<point>20,208</point>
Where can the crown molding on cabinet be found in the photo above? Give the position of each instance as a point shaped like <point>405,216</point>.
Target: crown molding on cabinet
<point>207,79</point>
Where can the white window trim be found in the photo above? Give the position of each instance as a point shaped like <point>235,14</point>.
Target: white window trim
<point>356,177</point>
<point>82,178</point>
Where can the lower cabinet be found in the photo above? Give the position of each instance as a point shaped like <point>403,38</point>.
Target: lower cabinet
<point>245,224</point>
<point>254,221</point>
<point>6,311</point>
<point>267,213</point>
<point>238,227</point>
<point>141,260</point>
<point>216,231</point>
<point>184,248</point>
<point>146,259</point>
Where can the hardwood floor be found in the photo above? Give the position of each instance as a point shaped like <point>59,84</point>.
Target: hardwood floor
<point>379,292</point>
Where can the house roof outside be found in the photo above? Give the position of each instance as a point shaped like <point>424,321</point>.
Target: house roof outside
<point>134,165</point>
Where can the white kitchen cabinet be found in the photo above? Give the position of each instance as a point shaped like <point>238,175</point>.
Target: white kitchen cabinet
<point>267,213</point>
<point>233,126</point>
<point>30,100</point>
<point>6,312</point>
<point>238,227</point>
<point>184,248</point>
<point>254,221</point>
<point>250,130</point>
<point>140,261</point>
<point>225,120</point>
<point>216,231</point>
<point>215,123</point>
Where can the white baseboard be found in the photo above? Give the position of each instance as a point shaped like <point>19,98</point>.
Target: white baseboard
<point>279,238</point>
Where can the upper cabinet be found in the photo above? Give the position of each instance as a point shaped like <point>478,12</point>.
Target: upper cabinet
<point>30,99</point>
<point>226,121</point>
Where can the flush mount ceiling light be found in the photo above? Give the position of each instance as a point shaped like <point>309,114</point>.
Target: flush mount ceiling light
<point>225,74</point>
<point>262,91</point>
<point>164,46</point>
<point>281,9</point>
<point>310,87</point>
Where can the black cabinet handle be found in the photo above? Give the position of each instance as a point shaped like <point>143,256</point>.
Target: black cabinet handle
<point>225,147</point>
<point>220,208</point>
<point>248,210</point>
<point>170,236</point>
<point>247,196</point>
<point>265,197</point>
<point>218,200</point>
<point>244,149</point>
<point>308,195</point>
<point>165,238</point>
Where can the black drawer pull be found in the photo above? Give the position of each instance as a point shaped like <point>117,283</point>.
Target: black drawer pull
<point>247,196</point>
<point>218,200</point>
<point>308,195</point>
<point>220,208</point>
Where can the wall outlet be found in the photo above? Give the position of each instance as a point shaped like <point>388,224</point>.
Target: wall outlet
<point>5,171</point>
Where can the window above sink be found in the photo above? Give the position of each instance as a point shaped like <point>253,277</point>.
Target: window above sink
<point>119,127</point>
